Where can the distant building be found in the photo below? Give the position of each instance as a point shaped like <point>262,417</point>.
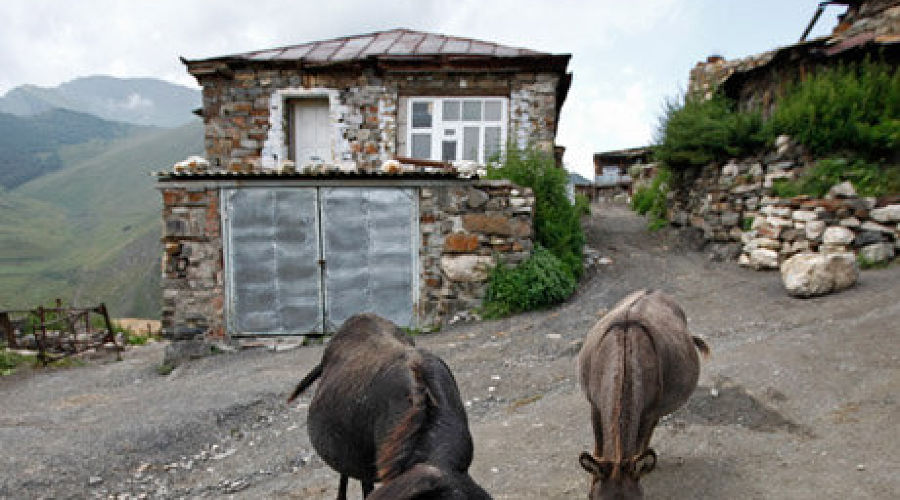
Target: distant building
<point>612,169</point>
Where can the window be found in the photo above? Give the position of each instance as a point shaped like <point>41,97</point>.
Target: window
<point>456,128</point>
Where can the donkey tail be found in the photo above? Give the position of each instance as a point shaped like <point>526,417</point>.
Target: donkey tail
<point>701,346</point>
<point>306,382</point>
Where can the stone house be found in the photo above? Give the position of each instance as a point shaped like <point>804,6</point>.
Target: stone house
<point>341,177</point>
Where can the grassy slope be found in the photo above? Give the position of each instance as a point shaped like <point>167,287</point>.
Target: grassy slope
<point>94,227</point>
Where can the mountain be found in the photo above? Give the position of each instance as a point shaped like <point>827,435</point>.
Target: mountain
<point>140,101</point>
<point>89,232</point>
<point>32,146</point>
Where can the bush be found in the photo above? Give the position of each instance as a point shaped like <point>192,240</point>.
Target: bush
<point>694,132</point>
<point>540,281</point>
<point>853,107</point>
<point>9,361</point>
<point>867,178</point>
<point>651,200</point>
<point>557,223</point>
<point>582,204</point>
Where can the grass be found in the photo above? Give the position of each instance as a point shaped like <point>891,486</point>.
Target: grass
<point>540,281</point>
<point>650,200</point>
<point>869,179</point>
<point>865,263</point>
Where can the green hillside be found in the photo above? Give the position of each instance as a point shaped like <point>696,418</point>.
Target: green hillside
<point>90,232</point>
<point>36,145</point>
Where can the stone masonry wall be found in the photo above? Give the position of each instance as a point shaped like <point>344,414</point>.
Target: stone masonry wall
<point>192,264</point>
<point>464,229</point>
<point>247,120</point>
<point>739,217</point>
<point>463,225</point>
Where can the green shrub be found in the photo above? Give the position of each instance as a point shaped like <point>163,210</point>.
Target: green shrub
<point>868,179</point>
<point>853,107</point>
<point>9,361</point>
<point>540,281</point>
<point>582,204</point>
<point>694,132</point>
<point>650,200</point>
<point>557,223</point>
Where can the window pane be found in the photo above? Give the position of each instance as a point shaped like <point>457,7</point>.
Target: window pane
<point>491,142</point>
<point>448,152</point>
<point>421,114</point>
<point>421,146</point>
<point>451,110</point>
<point>471,110</point>
<point>492,111</point>
<point>470,143</point>
<point>449,132</point>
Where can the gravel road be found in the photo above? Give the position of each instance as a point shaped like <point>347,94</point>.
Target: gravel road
<point>796,402</point>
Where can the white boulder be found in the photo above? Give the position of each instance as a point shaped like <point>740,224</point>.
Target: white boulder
<point>811,274</point>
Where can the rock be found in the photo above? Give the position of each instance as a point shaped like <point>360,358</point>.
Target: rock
<point>460,243</point>
<point>831,249</point>
<point>814,229</point>
<point>723,251</point>
<point>864,238</point>
<point>877,252</point>
<point>842,190</point>
<point>763,258</point>
<point>890,213</point>
<point>780,166</point>
<point>810,274</point>
<point>782,212</point>
<point>744,260</point>
<point>770,178</point>
<point>94,480</point>
<point>477,198</point>
<point>756,170</point>
<point>764,243</point>
<point>804,215</point>
<point>466,267</point>
<point>837,235</point>
<point>731,219</point>
<point>790,234</point>
<point>851,222</point>
<point>766,230</point>
<point>730,169</point>
<point>180,351</point>
<point>874,226</point>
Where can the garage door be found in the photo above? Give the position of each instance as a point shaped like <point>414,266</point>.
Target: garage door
<point>302,260</point>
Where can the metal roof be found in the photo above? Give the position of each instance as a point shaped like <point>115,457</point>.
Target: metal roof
<point>400,42</point>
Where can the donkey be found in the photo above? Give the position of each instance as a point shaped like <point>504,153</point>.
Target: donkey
<point>637,364</point>
<point>387,411</point>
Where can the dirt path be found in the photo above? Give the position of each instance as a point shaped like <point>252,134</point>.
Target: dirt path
<point>795,402</point>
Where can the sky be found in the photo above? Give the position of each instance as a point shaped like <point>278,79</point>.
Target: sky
<point>627,56</point>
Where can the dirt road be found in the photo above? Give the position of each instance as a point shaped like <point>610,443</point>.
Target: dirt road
<point>796,401</point>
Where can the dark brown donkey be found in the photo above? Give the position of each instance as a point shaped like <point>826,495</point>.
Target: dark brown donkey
<point>638,363</point>
<point>387,411</point>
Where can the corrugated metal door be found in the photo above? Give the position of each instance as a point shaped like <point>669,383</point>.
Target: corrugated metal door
<point>369,247</point>
<point>274,242</point>
<point>273,252</point>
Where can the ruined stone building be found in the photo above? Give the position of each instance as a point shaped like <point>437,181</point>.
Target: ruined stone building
<point>340,180</point>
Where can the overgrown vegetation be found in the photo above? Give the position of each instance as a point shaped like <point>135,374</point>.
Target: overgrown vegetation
<point>869,179</point>
<point>540,281</point>
<point>582,204</point>
<point>557,223</point>
<point>865,263</point>
<point>551,273</point>
<point>650,200</point>
<point>9,361</point>
<point>849,108</point>
<point>694,132</point>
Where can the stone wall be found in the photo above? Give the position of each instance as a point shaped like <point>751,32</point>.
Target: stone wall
<point>246,114</point>
<point>739,217</point>
<point>192,265</point>
<point>464,225</point>
<point>463,229</point>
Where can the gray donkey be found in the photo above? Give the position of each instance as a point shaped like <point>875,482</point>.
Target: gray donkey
<point>387,411</point>
<point>637,364</point>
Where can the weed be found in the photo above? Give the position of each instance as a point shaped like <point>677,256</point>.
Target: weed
<point>746,223</point>
<point>582,204</point>
<point>165,368</point>
<point>651,200</point>
<point>10,361</point>
<point>865,263</point>
<point>539,281</point>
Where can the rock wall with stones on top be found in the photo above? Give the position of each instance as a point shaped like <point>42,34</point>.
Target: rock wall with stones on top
<point>463,225</point>
<point>733,206</point>
<point>247,123</point>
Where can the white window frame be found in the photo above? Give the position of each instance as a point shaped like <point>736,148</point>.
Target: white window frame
<point>439,125</point>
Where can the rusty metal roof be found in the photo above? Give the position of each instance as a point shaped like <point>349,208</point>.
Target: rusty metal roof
<point>399,42</point>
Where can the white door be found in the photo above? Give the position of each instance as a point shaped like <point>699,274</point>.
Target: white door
<point>312,132</point>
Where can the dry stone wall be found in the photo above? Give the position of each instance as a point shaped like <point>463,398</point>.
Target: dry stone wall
<point>733,206</point>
